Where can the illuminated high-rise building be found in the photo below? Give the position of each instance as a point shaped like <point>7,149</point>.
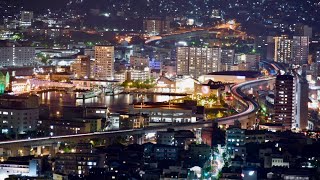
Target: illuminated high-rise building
<point>282,49</point>
<point>104,62</point>
<point>197,61</point>
<point>284,105</point>
<point>302,99</point>
<point>300,50</point>
<point>82,67</point>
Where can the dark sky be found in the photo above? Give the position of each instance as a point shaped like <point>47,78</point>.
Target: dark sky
<point>43,4</point>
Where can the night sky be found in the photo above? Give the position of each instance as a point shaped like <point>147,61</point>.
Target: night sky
<point>43,4</point>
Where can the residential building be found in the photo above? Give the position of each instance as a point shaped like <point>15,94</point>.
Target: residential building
<point>132,74</point>
<point>25,168</point>
<point>284,105</point>
<point>69,127</point>
<point>104,62</point>
<point>18,114</point>
<point>195,61</point>
<point>82,67</point>
<point>16,55</point>
<point>252,61</point>
<point>302,99</point>
<point>133,121</point>
<point>166,137</point>
<point>282,49</point>
<point>137,62</point>
<point>227,59</point>
<point>78,163</point>
<point>300,50</point>
<point>235,137</point>
<point>165,152</point>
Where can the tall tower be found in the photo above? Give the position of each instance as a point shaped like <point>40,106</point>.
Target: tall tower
<point>300,50</point>
<point>302,101</point>
<point>284,111</point>
<point>104,62</point>
<point>282,49</point>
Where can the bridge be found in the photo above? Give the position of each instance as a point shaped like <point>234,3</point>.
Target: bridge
<point>246,118</point>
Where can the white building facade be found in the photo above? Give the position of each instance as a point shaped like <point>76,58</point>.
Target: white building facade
<point>16,56</point>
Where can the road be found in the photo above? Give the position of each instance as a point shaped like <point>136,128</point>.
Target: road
<point>236,90</point>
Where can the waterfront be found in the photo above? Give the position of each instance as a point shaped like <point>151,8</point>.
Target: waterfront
<point>56,100</point>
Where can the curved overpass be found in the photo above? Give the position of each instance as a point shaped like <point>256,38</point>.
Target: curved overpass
<point>251,106</point>
<point>245,116</point>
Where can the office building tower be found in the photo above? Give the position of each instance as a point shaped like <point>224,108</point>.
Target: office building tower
<point>302,98</point>
<point>300,50</point>
<point>282,49</point>
<point>104,62</point>
<point>196,61</point>
<point>284,110</point>
<point>82,67</point>
<point>26,18</point>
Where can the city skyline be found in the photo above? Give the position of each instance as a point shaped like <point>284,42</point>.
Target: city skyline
<point>156,89</point>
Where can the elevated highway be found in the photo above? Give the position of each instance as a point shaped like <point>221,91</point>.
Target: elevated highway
<point>246,117</point>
